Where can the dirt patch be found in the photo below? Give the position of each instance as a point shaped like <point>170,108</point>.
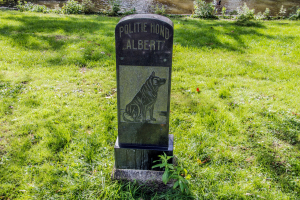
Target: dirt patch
<point>83,70</point>
<point>61,37</point>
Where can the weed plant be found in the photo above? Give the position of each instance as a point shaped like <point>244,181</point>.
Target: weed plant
<point>159,10</point>
<point>296,16</point>
<point>267,14</point>
<point>237,135</point>
<point>24,6</point>
<point>223,12</point>
<point>171,172</point>
<point>204,10</point>
<point>72,7</point>
<point>282,12</point>
<point>244,13</point>
<point>115,7</point>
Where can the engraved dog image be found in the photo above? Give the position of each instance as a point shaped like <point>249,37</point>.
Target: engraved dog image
<point>144,100</point>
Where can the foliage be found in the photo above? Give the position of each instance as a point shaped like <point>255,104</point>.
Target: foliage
<point>244,13</point>
<point>56,10</point>
<point>159,10</point>
<point>115,7</point>
<point>88,6</point>
<point>223,12</point>
<point>295,16</point>
<point>266,14</point>
<point>282,12</point>
<point>169,167</point>
<point>130,12</point>
<point>173,172</point>
<point>28,6</point>
<point>234,12</point>
<point>72,7</point>
<point>259,16</point>
<point>204,10</point>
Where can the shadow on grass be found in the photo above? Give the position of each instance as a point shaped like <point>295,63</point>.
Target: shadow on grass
<point>282,172</point>
<point>285,130</point>
<point>284,126</point>
<point>249,23</point>
<point>210,34</point>
<point>58,33</point>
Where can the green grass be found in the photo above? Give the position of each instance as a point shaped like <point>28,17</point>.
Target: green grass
<point>238,138</point>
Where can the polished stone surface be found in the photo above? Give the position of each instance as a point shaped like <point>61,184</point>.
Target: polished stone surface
<point>144,45</point>
<point>140,158</point>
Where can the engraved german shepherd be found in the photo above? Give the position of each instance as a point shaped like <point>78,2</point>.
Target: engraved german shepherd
<point>144,100</point>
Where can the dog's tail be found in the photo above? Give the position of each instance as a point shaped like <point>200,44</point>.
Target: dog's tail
<point>127,117</point>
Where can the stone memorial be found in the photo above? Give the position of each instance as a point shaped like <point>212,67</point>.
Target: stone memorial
<point>144,44</point>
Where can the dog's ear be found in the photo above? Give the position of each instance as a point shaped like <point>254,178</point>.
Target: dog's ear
<point>153,73</point>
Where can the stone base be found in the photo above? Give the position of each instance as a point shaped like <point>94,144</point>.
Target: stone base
<point>140,158</point>
<point>143,177</point>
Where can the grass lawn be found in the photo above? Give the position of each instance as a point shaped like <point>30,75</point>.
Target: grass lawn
<point>238,137</point>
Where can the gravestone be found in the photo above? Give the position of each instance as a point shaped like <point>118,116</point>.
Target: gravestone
<point>144,44</point>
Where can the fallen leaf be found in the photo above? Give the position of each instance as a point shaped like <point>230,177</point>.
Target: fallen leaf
<point>250,159</point>
<point>295,113</point>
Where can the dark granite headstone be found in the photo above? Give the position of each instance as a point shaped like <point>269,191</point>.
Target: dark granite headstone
<point>144,45</point>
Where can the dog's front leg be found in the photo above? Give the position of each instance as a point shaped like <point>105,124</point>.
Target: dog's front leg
<point>144,113</point>
<point>151,113</point>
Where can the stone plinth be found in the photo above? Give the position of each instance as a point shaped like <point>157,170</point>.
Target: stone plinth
<point>140,158</point>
